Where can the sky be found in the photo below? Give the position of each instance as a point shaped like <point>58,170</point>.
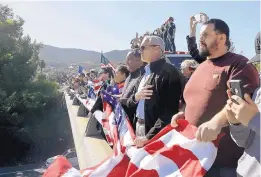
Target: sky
<point>106,26</point>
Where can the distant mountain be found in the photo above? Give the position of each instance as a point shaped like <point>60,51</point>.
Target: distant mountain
<point>54,56</point>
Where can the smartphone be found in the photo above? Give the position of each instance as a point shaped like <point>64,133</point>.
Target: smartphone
<point>237,88</point>
<point>201,18</point>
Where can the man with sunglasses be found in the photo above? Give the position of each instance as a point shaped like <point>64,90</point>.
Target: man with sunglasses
<point>158,93</point>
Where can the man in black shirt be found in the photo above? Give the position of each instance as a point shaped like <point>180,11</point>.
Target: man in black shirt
<point>135,66</point>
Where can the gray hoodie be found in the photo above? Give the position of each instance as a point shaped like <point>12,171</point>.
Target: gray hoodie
<point>249,138</point>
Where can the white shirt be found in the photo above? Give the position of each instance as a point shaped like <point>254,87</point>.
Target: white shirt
<point>140,109</point>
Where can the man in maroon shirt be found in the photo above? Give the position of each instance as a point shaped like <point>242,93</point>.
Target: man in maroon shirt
<point>205,93</point>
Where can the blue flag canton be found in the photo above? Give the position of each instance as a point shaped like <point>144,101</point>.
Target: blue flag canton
<point>104,60</point>
<point>113,90</point>
<point>91,93</point>
<point>107,97</point>
<point>80,69</point>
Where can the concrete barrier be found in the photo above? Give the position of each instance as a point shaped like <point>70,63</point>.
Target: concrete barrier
<point>90,150</point>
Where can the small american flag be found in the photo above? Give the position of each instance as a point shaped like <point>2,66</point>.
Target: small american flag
<point>91,93</point>
<point>105,62</point>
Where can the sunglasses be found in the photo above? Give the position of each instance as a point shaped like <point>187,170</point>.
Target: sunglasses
<point>146,46</point>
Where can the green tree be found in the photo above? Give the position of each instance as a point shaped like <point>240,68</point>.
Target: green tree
<point>18,54</point>
<point>26,99</point>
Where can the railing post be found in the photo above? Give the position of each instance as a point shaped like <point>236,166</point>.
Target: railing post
<point>91,129</point>
<point>75,101</point>
<point>82,111</point>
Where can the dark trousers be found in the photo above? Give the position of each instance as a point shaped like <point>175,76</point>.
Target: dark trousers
<point>221,172</point>
<point>173,46</point>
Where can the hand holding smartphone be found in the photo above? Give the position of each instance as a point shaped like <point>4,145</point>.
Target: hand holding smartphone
<point>237,88</point>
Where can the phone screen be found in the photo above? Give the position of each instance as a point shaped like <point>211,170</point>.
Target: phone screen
<point>237,88</point>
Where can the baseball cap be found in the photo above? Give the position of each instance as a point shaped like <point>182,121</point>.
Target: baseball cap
<point>153,40</point>
<point>256,58</point>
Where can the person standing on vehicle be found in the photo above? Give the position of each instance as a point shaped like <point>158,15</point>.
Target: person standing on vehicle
<point>135,42</point>
<point>165,37</point>
<point>171,34</point>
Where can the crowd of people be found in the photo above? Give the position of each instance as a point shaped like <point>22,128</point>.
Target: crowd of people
<point>166,32</point>
<point>150,91</point>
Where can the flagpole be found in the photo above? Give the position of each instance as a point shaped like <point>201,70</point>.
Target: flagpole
<point>101,55</point>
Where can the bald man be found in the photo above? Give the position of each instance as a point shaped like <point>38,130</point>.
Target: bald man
<point>135,66</point>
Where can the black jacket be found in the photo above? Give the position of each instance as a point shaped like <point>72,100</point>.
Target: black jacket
<point>164,103</point>
<point>131,83</point>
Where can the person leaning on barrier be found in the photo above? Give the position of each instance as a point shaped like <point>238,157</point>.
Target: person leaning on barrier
<point>81,78</point>
<point>205,94</point>
<point>158,93</point>
<point>121,74</point>
<point>105,75</point>
<point>244,119</point>
<point>136,69</point>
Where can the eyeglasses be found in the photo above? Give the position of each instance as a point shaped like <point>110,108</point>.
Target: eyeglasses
<point>146,46</point>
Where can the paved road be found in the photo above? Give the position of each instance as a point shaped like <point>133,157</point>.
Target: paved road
<point>31,170</point>
<point>90,151</point>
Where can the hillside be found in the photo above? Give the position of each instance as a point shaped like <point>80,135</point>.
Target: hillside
<point>55,56</point>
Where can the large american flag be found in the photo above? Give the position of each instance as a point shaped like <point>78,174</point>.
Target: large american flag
<point>172,152</point>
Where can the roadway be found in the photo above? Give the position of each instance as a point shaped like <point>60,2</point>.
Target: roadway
<point>90,150</point>
<point>30,170</point>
